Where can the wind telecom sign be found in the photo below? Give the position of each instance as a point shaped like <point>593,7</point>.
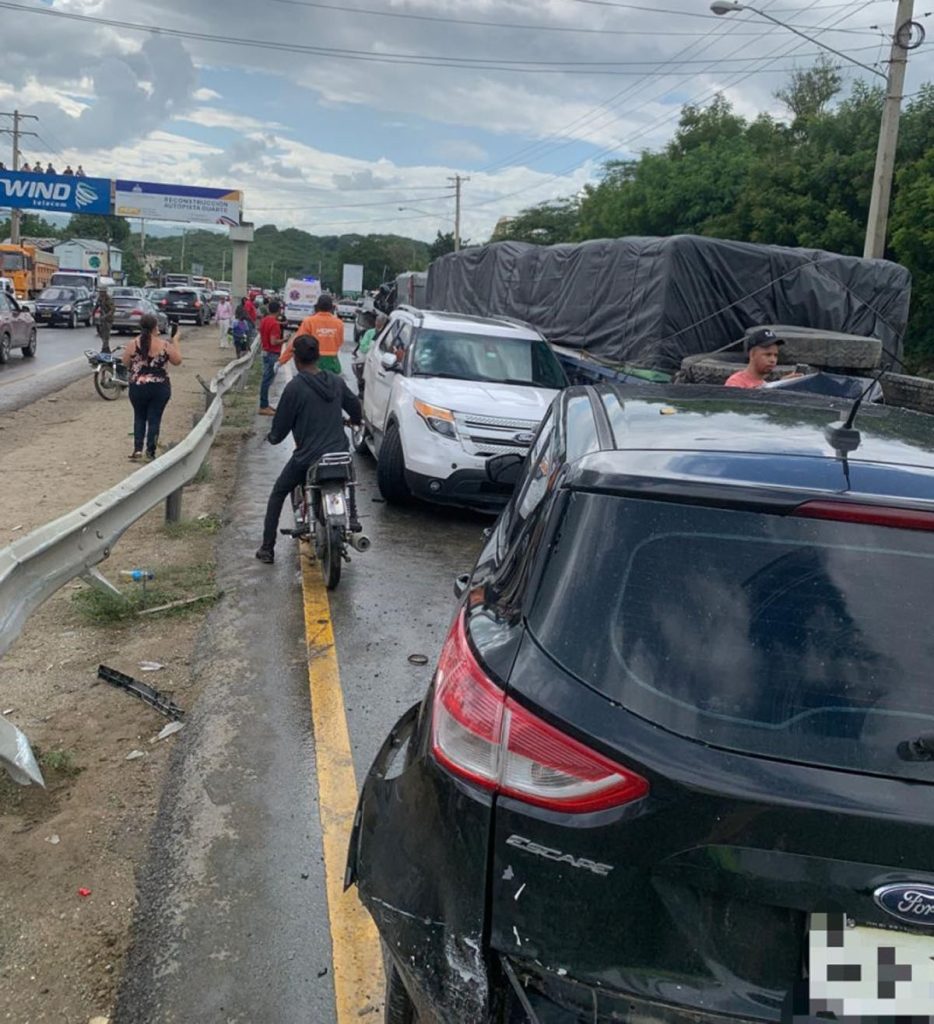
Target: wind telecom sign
<point>52,192</point>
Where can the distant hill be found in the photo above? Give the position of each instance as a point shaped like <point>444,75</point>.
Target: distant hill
<point>277,255</point>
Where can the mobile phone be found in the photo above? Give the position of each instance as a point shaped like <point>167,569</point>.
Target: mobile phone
<point>802,368</point>
<point>174,330</point>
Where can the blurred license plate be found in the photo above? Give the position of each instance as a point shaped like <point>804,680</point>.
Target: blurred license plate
<point>857,971</point>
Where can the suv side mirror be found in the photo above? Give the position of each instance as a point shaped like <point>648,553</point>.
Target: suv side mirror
<point>505,469</point>
<point>389,362</point>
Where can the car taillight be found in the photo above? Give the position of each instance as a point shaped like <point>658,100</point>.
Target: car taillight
<point>136,312</point>
<point>870,515</point>
<point>481,735</point>
<point>197,304</point>
<point>163,302</point>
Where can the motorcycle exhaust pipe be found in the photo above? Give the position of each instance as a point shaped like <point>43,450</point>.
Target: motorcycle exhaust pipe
<point>360,542</point>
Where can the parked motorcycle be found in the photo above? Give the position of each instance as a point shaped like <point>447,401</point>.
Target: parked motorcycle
<point>111,377</point>
<point>326,513</point>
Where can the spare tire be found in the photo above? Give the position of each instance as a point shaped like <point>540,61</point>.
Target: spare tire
<point>908,392</point>
<point>828,349</point>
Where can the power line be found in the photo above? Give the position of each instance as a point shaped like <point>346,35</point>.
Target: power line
<point>476,22</point>
<point>344,206</point>
<point>771,58</point>
<point>387,58</point>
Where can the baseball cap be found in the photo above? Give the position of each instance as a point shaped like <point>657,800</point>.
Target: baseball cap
<point>764,336</point>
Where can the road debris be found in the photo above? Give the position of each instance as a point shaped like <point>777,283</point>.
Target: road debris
<point>135,755</point>
<point>418,659</point>
<point>84,893</point>
<point>147,694</point>
<point>53,839</point>
<point>151,666</point>
<point>170,730</point>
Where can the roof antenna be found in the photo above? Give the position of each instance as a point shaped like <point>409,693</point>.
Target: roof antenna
<point>845,438</point>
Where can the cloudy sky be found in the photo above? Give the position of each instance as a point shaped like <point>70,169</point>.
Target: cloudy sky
<point>332,114</point>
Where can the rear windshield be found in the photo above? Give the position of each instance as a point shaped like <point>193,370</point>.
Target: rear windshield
<point>179,293</point>
<point>800,639</point>
<point>480,358</point>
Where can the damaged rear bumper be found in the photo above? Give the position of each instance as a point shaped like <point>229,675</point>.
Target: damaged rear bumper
<point>419,856</point>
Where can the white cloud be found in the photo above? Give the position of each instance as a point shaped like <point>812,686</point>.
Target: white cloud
<point>461,151</point>
<point>205,95</point>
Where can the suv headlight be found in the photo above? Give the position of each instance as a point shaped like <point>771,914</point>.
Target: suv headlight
<point>64,309</point>
<point>441,421</point>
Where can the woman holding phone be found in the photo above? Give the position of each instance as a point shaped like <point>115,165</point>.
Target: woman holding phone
<point>150,389</point>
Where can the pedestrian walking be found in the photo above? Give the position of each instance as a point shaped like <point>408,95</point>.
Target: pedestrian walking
<point>105,321</point>
<point>270,336</point>
<point>150,389</point>
<point>222,317</point>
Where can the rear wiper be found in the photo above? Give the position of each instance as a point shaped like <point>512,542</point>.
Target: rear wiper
<point>920,749</point>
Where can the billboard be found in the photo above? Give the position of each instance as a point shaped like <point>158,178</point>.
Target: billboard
<point>53,192</point>
<point>353,278</point>
<point>154,201</point>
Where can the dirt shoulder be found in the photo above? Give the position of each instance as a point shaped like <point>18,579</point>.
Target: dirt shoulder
<point>69,855</point>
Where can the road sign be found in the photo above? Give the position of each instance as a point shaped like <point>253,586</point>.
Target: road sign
<point>353,278</point>
<point>154,201</point>
<point>197,269</point>
<point>25,191</point>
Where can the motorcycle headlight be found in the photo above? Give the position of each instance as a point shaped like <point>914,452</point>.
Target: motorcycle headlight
<point>441,421</point>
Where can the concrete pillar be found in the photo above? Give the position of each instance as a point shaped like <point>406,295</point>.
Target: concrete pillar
<point>240,237</point>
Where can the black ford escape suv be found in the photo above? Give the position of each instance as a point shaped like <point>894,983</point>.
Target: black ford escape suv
<point>677,760</point>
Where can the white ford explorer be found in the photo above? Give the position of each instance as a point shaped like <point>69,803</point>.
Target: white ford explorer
<point>443,392</point>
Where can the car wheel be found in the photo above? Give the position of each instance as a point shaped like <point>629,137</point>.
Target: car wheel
<point>29,350</point>
<point>6,345</point>
<point>399,1008</point>
<point>73,321</point>
<point>88,320</point>
<point>390,467</point>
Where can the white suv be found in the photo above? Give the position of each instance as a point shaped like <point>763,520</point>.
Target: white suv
<point>443,392</point>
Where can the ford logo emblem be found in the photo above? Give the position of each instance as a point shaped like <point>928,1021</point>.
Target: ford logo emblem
<point>913,904</point>
<point>524,438</point>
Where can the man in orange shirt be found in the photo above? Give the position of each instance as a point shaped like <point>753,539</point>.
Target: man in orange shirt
<point>329,331</point>
<point>762,348</point>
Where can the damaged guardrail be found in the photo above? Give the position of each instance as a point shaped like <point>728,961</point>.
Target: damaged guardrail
<point>39,564</point>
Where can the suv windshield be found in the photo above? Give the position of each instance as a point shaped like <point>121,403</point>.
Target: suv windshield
<point>482,358</point>
<point>792,638</point>
<point>58,295</point>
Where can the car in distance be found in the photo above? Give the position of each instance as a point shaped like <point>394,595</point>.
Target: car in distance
<point>347,309</point>
<point>128,315</point>
<point>443,392</point>
<point>17,329</point>
<point>185,304</point>
<point>65,306</point>
<point>678,744</point>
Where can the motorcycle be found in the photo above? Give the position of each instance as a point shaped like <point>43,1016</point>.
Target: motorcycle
<point>111,377</point>
<point>325,509</point>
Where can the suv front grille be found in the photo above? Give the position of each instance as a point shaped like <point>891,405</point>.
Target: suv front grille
<point>491,435</point>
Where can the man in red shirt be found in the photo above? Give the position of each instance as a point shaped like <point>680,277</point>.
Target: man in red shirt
<point>270,336</point>
<point>762,348</point>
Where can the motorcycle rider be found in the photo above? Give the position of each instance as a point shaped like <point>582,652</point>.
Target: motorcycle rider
<point>105,311</point>
<point>311,408</point>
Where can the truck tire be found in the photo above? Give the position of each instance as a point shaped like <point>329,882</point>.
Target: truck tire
<point>830,350</point>
<point>908,392</point>
<point>390,468</point>
<point>399,1008</point>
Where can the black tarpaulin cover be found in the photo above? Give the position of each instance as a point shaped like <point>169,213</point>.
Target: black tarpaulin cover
<point>649,302</point>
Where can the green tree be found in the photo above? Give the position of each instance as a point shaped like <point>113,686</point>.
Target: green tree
<point>441,246</point>
<point>809,91</point>
<point>114,230</point>
<point>545,224</point>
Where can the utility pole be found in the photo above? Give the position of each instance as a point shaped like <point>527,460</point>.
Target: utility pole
<point>224,265</point>
<point>16,132</point>
<point>888,134</point>
<point>458,180</point>
<point>182,268</point>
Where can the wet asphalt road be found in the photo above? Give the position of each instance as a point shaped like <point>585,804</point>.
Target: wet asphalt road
<point>233,923</point>
<point>59,361</point>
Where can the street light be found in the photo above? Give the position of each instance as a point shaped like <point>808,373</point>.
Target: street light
<point>874,247</point>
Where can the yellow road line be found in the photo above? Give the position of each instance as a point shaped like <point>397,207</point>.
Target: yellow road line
<point>358,970</point>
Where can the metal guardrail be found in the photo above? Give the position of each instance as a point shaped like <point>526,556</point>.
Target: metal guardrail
<point>39,564</point>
